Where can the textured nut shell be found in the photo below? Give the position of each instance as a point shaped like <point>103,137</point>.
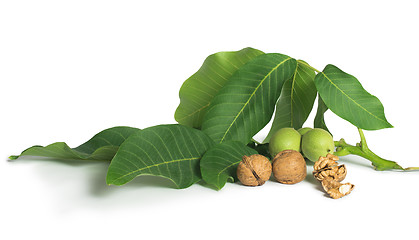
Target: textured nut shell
<point>289,167</point>
<point>327,167</point>
<point>254,170</point>
<point>338,173</point>
<point>336,189</point>
<point>324,162</point>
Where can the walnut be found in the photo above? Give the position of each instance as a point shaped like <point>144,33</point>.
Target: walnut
<point>289,167</point>
<point>328,167</point>
<point>325,162</point>
<point>330,174</point>
<point>254,170</point>
<point>336,189</point>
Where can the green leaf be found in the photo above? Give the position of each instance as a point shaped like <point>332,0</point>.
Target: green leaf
<point>246,103</point>
<point>344,95</point>
<point>296,100</point>
<point>197,91</point>
<point>319,118</point>
<point>219,163</point>
<point>170,151</point>
<point>102,146</point>
<point>262,149</point>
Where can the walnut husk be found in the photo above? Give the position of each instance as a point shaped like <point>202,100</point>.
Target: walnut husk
<point>254,170</point>
<point>289,167</point>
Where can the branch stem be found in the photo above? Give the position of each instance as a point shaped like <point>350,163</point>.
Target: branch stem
<point>361,149</point>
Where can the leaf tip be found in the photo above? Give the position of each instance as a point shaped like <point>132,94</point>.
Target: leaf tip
<point>14,157</point>
<point>110,181</point>
<point>116,180</point>
<point>218,187</point>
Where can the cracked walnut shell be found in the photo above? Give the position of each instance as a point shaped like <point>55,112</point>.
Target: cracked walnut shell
<point>328,167</point>
<point>336,189</point>
<point>254,170</point>
<point>330,174</point>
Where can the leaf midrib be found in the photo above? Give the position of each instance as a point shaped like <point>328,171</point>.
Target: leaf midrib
<point>346,95</point>
<point>251,96</point>
<point>156,165</point>
<point>198,110</point>
<point>292,95</point>
<point>227,167</point>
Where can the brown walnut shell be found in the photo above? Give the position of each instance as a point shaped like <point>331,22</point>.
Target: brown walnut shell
<point>289,167</point>
<point>328,167</point>
<point>254,170</point>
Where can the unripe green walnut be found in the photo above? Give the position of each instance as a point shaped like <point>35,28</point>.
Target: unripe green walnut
<point>284,139</point>
<point>317,143</point>
<point>304,130</point>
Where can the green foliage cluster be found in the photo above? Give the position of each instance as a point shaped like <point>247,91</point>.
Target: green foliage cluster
<point>222,106</point>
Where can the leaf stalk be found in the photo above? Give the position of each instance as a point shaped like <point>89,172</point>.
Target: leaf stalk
<point>361,149</point>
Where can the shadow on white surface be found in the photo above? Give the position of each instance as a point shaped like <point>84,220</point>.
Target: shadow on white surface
<point>72,186</point>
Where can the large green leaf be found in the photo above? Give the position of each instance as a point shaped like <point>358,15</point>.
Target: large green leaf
<point>319,118</point>
<point>197,91</point>
<point>296,100</point>
<point>246,103</point>
<point>102,146</point>
<point>170,151</point>
<point>219,163</point>
<point>344,95</point>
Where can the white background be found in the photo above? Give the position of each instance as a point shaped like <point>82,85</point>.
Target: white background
<point>69,69</point>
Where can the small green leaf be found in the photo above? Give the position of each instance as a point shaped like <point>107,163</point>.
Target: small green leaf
<point>219,163</point>
<point>102,146</point>
<point>197,91</point>
<point>246,102</point>
<point>319,119</point>
<point>344,95</point>
<point>296,100</point>
<point>170,151</point>
<point>262,149</point>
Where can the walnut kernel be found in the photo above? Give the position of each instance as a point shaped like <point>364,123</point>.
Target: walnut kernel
<point>328,167</point>
<point>336,189</point>
<point>330,174</point>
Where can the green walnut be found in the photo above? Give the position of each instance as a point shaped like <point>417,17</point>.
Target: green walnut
<point>304,130</point>
<point>317,143</point>
<point>284,139</point>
